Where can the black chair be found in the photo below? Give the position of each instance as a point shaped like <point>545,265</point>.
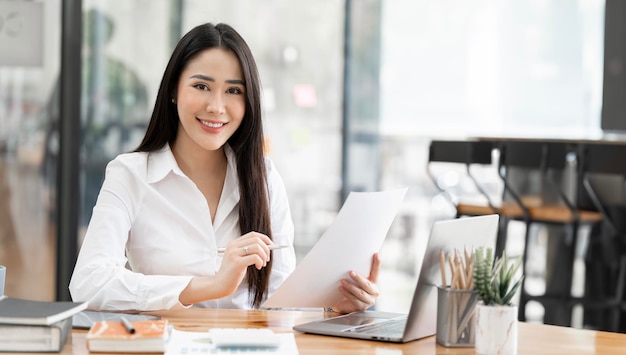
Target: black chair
<point>532,173</point>
<point>467,154</point>
<point>602,174</point>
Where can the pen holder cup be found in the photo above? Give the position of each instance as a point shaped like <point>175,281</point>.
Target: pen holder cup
<point>455,317</point>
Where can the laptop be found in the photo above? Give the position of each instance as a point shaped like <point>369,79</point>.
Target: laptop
<point>421,320</point>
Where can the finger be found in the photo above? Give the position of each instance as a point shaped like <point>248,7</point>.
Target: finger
<point>259,263</point>
<point>375,268</point>
<point>362,283</point>
<point>254,255</point>
<point>262,250</point>
<point>261,240</point>
<point>259,237</point>
<point>253,259</point>
<point>365,291</point>
<point>359,298</point>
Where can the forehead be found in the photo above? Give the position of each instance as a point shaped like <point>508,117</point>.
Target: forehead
<point>218,63</point>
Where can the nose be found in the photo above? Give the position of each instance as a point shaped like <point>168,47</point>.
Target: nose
<point>215,104</point>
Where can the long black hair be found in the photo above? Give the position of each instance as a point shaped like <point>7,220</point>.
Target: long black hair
<point>246,142</point>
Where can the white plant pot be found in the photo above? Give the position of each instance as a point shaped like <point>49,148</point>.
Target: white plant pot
<point>496,330</point>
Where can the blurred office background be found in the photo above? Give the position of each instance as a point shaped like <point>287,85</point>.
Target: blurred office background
<point>353,91</point>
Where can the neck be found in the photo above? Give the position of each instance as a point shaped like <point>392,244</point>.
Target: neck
<point>194,160</point>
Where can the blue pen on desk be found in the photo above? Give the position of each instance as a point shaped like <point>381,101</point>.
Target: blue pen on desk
<point>271,246</point>
<point>129,327</point>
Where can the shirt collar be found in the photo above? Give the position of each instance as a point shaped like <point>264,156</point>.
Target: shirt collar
<point>160,163</point>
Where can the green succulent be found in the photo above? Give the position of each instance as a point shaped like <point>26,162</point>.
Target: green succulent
<point>495,282</point>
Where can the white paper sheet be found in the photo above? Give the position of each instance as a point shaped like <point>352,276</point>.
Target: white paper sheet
<point>357,232</point>
<point>184,342</point>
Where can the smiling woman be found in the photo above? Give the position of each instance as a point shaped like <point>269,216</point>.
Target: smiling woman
<point>198,179</point>
<point>201,161</point>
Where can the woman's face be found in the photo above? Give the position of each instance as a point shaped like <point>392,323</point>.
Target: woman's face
<point>210,99</point>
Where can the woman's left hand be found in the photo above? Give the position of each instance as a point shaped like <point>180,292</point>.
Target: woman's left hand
<point>361,292</point>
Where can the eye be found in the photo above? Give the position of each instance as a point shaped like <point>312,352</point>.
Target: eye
<point>235,91</point>
<point>201,86</point>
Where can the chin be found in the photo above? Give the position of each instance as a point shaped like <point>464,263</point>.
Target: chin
<point>212,147</point>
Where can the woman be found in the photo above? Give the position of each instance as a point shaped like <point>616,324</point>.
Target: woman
<point>198,182</point>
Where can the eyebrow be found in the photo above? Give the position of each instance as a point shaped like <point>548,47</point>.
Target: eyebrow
<point>208,78</point>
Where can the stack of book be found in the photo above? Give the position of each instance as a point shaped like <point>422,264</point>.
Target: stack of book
<point>35,326</point>
<point>147,336</point>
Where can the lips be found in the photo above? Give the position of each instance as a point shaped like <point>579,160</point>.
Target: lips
<point>212,124</point>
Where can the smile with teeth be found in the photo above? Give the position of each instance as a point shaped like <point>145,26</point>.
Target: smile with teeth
<point>212,124</point>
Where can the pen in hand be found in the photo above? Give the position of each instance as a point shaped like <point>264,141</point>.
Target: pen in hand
<point>271,246</point>
<point>129,327</point>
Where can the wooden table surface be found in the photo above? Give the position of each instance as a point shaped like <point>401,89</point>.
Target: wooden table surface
<point>534,339</point>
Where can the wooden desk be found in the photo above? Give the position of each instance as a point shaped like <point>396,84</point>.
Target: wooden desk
<point>534,339</point>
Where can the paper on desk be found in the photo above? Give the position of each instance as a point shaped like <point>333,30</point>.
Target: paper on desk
<point>356,234</point>
<point>184,342</point>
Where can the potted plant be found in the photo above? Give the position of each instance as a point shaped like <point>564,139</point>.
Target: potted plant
<point>496,281</point>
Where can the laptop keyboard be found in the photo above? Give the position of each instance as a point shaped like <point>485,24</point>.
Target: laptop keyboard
<point>391,328</point>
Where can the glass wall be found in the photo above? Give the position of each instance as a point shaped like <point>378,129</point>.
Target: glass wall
<point>122,67</point>
<point>27,229</point>
<point>456,69</point>
<point>509,68</point>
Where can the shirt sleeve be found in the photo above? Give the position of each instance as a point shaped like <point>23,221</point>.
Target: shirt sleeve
<point>100,276</point>
<point>284,260</point>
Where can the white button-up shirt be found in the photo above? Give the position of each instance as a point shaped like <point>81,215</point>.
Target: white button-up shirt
<point>151,232</point>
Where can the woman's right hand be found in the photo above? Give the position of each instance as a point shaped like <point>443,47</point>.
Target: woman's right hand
<point>249,249</point>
